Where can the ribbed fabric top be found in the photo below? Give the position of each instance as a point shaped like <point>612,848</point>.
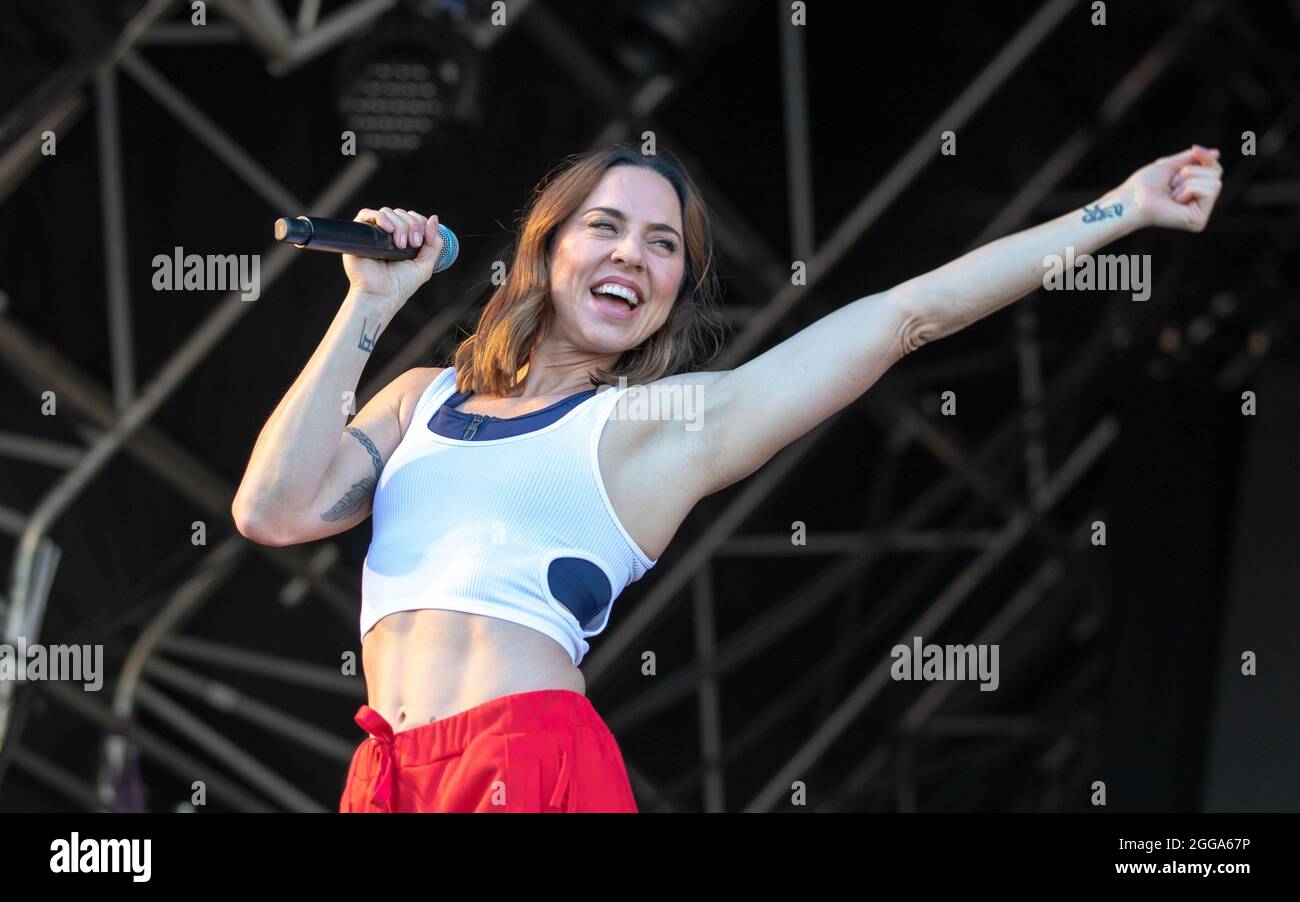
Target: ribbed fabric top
<point>518,527</point>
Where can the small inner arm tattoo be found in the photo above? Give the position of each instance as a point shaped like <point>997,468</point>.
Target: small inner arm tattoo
<point>362,492</point>
<point>367,342</point>
<point>1098,212</point>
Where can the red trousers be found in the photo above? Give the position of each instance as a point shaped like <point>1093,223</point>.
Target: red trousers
<point>541,751</point>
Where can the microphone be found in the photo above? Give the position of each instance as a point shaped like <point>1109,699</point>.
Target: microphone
<point>361,239</point>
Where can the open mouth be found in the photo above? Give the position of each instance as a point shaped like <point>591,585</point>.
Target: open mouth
<point>613,305</point>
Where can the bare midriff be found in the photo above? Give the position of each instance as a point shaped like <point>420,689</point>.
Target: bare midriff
<point>422,666</point>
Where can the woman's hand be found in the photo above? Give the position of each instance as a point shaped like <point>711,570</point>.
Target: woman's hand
<point>396,280</point>
<point>1178,192</point>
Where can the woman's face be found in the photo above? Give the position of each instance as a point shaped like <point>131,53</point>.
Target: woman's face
<point>628,230</point>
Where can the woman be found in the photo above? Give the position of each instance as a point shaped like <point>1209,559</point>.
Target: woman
<point>514,498</point>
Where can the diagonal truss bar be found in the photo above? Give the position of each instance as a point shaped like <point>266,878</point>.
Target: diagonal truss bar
<point>61,98</point>
<point>936,614</point>
<point>177,761</point>
<point>57,778</point>
<point>173,372</point>
<point>184,602</point>
<point>217,745</point>
<point>234,657</point>
<point>269,719</point>
<point>240,161</point>
<point>903,173</point>
<point>1130,88</point>
<point>40,367</point>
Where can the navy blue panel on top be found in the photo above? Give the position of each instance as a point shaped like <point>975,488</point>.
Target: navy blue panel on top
<point>580,586</point>
<point>451,423</point>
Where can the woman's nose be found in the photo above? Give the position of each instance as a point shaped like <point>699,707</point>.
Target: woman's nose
<point>628,251</point>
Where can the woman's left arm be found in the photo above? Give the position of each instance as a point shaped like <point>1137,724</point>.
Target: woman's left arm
<point>755,410</point>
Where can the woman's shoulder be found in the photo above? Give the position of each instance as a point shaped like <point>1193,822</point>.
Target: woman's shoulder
<point>421,377</point>
<point>414,383</point>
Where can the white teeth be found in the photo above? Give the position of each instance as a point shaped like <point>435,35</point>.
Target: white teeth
<point>617,290</point>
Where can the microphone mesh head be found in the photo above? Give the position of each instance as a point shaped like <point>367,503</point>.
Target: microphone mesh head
<point>450,248</point>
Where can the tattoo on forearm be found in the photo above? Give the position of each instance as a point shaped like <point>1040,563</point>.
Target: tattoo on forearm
<point>1097,212</point>
<point>367,342</point>
<point>362,493</point>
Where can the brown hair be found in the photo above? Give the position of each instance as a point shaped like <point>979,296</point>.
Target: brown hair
<point>519,313</point>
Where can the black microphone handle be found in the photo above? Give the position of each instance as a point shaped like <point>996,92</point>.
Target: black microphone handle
<point>341,236</point>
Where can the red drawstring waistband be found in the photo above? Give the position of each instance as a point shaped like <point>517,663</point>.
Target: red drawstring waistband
<point>381,731</point>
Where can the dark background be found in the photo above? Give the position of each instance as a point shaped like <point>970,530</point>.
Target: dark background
<point>1125,670</point>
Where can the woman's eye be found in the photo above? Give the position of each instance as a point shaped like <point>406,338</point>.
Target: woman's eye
<point>669,246</point>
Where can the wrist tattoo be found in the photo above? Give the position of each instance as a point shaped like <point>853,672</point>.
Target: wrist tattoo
<point>1098,212</point>
<point>367,342</point>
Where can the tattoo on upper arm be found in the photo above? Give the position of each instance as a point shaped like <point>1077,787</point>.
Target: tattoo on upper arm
<point>362,492</point>
<point>367,342</point>
<point>354,499</point>
<point>375,459</point>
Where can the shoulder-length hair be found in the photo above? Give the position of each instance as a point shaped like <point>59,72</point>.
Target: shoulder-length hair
<point>519,312</point>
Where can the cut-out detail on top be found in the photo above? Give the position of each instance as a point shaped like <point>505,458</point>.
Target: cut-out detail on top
<point>582,587</point>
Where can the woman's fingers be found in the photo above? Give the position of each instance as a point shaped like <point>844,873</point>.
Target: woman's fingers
<point>1197,187</point>
<point>1196,155</point>
<point>375,217</point>
<point>407,227</point>
<point>430,237</point>
<point>396,222</point>
<point>1206,156</point>
<point>416,235</point>
<point>412,228</point>
<point>1189,172</point>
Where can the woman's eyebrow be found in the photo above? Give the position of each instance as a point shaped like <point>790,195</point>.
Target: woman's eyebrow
<point>619,214</point>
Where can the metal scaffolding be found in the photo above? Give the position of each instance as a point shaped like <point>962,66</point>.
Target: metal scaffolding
<point>1008,476</point>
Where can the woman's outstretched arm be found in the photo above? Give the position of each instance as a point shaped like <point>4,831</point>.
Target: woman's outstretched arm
<point>1175,192</point>
<point>753,411</point>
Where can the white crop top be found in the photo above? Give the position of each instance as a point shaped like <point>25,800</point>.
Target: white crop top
<point>518,528</point>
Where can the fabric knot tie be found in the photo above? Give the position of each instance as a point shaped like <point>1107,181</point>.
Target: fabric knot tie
<point>381,731</point>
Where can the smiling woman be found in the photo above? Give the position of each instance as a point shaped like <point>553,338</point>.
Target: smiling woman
<point>613,217</point>
<point>511,506</point>
<point>499,548</point>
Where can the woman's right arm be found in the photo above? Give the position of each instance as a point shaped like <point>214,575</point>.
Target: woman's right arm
<point>308,477</point>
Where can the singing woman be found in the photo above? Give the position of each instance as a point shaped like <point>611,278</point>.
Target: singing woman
<point>515,493</point>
